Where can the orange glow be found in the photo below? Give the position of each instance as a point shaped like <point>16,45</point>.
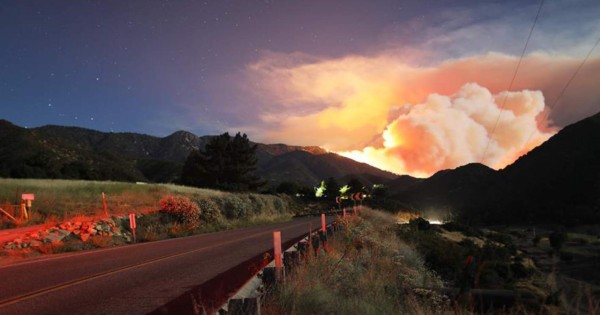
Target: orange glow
<point>412,119</point>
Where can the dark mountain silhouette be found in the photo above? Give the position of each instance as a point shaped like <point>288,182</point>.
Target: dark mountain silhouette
<point>448,187</point>
<point>308,169</point>
<point>73,152</point>
<point>557,182</point>
<point>26,153</point>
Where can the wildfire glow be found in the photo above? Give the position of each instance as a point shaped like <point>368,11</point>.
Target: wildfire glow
<point>449,131</point>
<point>417,120</point>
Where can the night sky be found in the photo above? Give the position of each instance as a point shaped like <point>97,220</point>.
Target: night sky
<point>272,68</point>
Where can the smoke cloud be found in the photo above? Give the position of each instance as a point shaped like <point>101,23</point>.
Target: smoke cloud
<point>417,120</point>
<point>448,131</point>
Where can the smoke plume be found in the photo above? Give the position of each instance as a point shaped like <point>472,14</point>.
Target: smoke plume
<point>449,131</point>
<point>417,120</point>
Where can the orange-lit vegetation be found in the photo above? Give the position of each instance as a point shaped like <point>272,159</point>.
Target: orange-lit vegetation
<point>164,211</point>
<point>182,208</point>
<point>59,200</point>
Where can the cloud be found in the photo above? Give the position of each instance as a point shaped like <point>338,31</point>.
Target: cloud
<point>448,131</point>
<point>378,106</point>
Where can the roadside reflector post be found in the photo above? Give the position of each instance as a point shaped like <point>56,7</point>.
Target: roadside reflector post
<point>277,254</point>
<point>132,225</point>
<point>104,204</point>
<point>323,234</point>
<point>277,249</point>
<point>315,244</point>
<point>344,213</point>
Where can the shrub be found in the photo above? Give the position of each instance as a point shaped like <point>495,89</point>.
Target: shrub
<point>101,241</point>
<point>210,211</point>
<point>566,256</point>
<point>536,240</point>
<point>419,224</point>
<point>182,208</point>
<point>519,271</point>
<point>233,206</point>
<point>557,239</point>
<point>465,229</point>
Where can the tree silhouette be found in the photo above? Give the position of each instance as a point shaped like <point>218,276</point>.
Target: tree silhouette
<point>333,188</point>
<point>355,185</point>
<point>225,163</point>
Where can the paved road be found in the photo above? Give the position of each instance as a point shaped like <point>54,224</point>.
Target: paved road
<point>133,279</point>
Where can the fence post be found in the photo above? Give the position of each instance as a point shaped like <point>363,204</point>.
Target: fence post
<point>104,204</point>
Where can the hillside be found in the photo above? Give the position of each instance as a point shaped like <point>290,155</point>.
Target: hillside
<point>28,153</point>
<point>78,153</point>
<point>455,187</point>
<point>559,182</point>
<point>307,168</point>
<point>559,179</point>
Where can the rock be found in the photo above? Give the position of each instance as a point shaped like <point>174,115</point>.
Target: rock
<point>64,232</point>
<point>92,231</point>
<point>55,237</point>
<point>84,236</point>
<point>35,244</point>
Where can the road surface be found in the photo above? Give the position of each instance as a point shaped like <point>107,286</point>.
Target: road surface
<point>133,279</point>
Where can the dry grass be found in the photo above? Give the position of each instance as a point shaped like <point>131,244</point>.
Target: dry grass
<point>59,200</point>
<point>367,270</point>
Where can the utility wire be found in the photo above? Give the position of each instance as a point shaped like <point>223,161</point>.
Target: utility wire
<point>562,92</point>
<point>512,81</point>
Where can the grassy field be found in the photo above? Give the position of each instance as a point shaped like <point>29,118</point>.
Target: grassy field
<point>57,200</point>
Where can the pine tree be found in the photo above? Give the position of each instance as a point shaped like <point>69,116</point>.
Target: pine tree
<point>333,188</point>
<point>225,163</point>
<point>355,185</point>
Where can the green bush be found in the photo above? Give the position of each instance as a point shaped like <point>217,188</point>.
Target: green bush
<point>557,239</point>
<point>210,211</point>
<point>536,240</point>
<point>182,208</point>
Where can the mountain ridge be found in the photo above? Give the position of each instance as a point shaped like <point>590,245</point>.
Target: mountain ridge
<point>140,157</point>
<point>558,181</point>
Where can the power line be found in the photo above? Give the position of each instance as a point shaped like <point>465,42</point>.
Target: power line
<point>562,92</point>
<point>512,81</point>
